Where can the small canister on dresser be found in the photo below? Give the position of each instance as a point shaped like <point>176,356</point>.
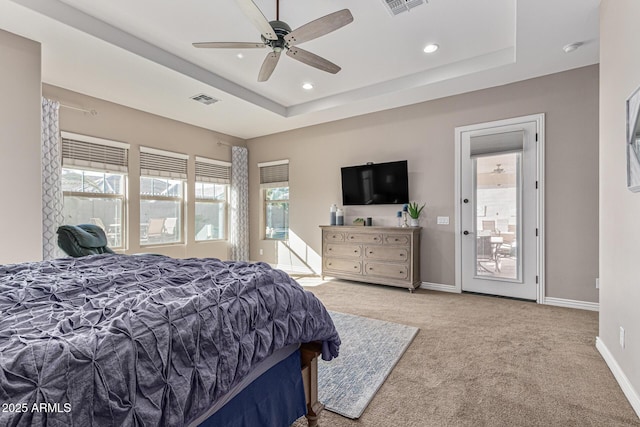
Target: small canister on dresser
<point>339,217</point>
<point>332,214</point>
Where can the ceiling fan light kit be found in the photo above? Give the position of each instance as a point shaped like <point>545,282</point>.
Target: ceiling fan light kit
<point>278,36</point>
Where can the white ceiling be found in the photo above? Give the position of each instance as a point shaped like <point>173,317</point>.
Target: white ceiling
<point>139,54</point>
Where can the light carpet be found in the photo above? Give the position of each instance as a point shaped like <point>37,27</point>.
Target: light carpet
<point>369,351</point>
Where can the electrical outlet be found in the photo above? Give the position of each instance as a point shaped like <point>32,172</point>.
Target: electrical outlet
<point>597,283</point>
<point>261,251</point>
<point>443,220</point>
<point>621,337</point>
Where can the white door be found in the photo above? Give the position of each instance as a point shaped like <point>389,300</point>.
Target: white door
<point>499,209</point>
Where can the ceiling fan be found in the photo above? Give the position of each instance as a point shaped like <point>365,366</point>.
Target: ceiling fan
<point>498,169</point>
<point>278,36</point>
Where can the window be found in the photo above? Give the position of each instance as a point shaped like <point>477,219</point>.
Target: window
<point>276,213</point>
<point>94,173</point>
<point>274,183</point>
<point>212,189</point>
<point>162,176</point>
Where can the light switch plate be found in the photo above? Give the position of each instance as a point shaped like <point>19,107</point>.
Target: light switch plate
<point>443,220</point>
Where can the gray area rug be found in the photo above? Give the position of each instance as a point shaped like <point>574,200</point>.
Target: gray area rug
<point>369,351</point>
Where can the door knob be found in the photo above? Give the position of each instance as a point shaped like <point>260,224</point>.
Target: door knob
<point>465,201</point>
<point>465,232</point>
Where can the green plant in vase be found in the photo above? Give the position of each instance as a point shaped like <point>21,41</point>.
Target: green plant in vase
<point>415,210</point>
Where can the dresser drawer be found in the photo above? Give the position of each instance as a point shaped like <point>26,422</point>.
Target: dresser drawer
<point>343,250</point>
<point>333,236</point>
<point>343,265</point>
<point>364,238</point>
<point>396,239</point>
<point>391,271</point>
<point>386,253</point>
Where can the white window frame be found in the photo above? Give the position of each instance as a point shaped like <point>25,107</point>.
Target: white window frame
<point>225,209</point>
<point>278,179</point>
<point>212,171</point>
<point>86,160</point>
<point>171,166</point>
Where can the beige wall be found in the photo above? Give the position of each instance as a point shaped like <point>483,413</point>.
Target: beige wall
<point>138,128</point>
<point>619,208</point>
<point>20,111</point>
<point>424,134</point>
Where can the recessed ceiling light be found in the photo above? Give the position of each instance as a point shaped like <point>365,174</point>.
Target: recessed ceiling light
<point>307,86</point>
<point>430,48</point>
<point>240,56</point>
<point>571,47</point>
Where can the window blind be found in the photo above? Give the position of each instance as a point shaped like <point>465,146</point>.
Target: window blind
<point>162,164</point>
<point>215,171</point>
<point>274,174</point>
<point>94,154</point>
<point>507,142</point>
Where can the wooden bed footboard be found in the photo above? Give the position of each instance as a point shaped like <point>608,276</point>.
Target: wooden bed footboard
<point>309,353</point>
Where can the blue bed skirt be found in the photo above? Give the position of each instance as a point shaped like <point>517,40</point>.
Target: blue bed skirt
<point>274,399</point>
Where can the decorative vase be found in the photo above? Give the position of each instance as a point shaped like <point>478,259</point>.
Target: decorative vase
<point>414,222</point>
<point>332,214</point>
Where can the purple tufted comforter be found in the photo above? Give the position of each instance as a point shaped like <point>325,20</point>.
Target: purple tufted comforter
<point>117,340</point>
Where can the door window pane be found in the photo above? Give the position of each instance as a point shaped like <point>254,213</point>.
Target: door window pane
<point>497,197</point>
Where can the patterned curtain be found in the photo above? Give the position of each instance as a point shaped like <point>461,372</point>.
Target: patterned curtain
<point>51,182</point>
<point>239,238</point>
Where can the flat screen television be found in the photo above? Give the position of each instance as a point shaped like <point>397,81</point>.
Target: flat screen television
<point>375,184</point>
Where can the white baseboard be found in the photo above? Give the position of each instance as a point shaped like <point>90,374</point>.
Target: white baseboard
<point>439,287</point>
<point>571,303</point>
<point>631,394</point>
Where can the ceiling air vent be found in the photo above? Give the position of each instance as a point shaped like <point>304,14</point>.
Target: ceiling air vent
<point>205,99</point>
<point>398,6</point>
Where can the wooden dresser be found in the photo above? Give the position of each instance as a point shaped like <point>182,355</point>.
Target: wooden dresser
<point>384,255</point>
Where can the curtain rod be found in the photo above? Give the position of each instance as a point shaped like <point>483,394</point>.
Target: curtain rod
<point>92,111</point>
<point>224,143</point>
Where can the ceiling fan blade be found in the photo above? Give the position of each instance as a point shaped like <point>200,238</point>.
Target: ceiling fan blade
<point>268,66</point>
<point>319,27</point>
<point>313,60</point>
<point>228,45</point>
<point>256,17</point>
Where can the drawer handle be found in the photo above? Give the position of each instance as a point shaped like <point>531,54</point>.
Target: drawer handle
<point>355,251</point>
<point>330,249</point>
<point>397,240</point>
<point>370,252</point>
<point>375,238</point>
<point>401,254</point>
<point>329,263</point>
<point>351,237</point>
<point>334,236</point>
<point>355,266</point>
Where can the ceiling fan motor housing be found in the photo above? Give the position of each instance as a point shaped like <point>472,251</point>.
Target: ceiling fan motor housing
<point>281,29</point>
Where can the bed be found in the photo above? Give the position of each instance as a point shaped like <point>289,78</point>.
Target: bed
<point>151,340</point>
